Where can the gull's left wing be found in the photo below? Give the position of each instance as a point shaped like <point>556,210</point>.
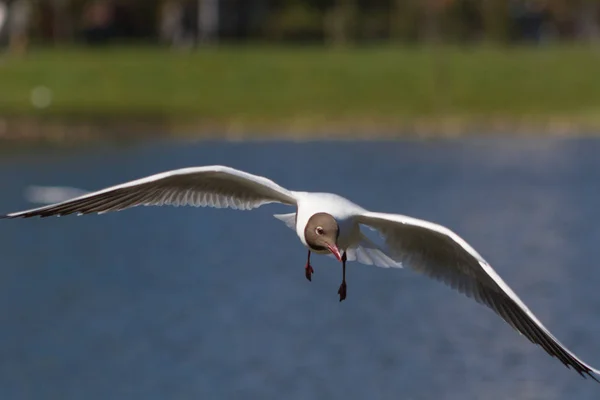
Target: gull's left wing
<point>441,254</point>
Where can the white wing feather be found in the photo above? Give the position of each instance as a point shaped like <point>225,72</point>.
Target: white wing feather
<point>369,253</point>
<point>210,186</point>
<point>436,251</point>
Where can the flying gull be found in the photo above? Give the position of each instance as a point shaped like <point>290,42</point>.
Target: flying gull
<point>330,224</point>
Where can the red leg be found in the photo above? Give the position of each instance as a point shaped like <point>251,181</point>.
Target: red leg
<point>308,270</point>
<point>342,289</point>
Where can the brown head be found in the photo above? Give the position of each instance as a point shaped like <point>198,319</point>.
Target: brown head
<point>321,234</point>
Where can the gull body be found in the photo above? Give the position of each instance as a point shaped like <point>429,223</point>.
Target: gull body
<point>330,224</point>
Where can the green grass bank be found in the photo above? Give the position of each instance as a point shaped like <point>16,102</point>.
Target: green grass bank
<point>307,89</point>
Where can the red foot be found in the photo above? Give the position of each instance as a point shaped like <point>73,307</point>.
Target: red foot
<point>308,270</point>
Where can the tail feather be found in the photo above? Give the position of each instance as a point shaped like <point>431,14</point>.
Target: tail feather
<point>288,219</point>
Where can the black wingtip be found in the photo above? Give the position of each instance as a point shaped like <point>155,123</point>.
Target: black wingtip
<point>10,216</point>
<point>592,375</point>
<point>585,372</point>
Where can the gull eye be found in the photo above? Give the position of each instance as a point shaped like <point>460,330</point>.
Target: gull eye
<point>319,230</point>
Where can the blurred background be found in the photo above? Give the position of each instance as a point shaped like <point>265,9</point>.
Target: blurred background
<point>479,115</point>
<point>196,22</point>
<point>75,69</point>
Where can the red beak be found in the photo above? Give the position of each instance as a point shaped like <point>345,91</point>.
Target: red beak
<point>335,251</point>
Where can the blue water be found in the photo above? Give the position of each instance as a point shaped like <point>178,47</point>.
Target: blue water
<point>185,303</point>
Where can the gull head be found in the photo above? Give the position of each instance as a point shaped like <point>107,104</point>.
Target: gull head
<point>321,234</point>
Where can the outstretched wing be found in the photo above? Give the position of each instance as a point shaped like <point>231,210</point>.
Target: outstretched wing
<point>436,251</point>
<point>210,186</point>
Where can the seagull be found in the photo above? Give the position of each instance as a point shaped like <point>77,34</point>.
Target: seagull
<point>330,224</point>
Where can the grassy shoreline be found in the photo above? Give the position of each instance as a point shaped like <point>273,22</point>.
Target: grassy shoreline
<point>301,92</point>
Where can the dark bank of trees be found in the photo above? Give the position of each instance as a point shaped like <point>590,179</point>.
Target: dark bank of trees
<point>317,21</point>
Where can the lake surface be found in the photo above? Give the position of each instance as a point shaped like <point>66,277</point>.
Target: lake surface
<point>185,303</point>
